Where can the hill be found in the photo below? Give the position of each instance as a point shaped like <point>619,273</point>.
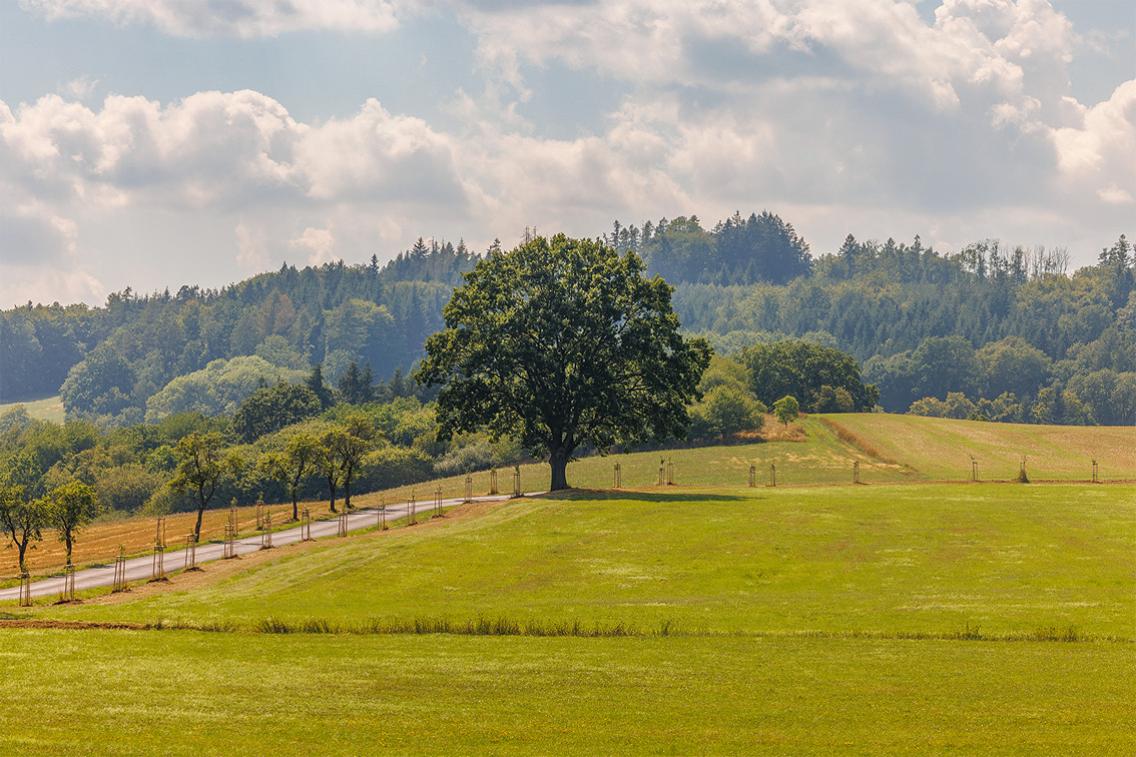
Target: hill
<point>721,617</point>
<point>941,448</point>
<point>1006,325</point>
<point>818,450</point>
<point>719,620</point>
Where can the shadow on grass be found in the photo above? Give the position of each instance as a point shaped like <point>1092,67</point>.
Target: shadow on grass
<point>642,496</point>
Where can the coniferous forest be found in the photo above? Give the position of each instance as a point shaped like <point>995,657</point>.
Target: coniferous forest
<point>1004,334</point>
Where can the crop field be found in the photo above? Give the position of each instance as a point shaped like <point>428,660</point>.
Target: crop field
<point>941,448</point>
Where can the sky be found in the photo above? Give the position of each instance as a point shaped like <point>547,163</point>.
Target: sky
<point>155,143</point>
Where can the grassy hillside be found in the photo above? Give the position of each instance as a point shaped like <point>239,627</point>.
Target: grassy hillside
<point>900,619</point>
<point>816,450</point>
<point>46,409</point>
<point>805,453</point>
<point>941,448</point>
<point>885,560</point>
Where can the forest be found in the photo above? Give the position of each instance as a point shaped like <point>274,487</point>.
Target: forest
<point>988,332</point>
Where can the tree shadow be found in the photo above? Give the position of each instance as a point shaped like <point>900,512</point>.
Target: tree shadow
<point>633,494</point>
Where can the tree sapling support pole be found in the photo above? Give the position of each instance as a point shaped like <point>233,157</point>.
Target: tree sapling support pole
<point>493,481</point>
<point>438,499</point>
<point>190,552</point>
<point>773,474</point>
<point>413,510</point>
<point>342,520</point>
<point>68,593</point>
<point>119,571</point>
<point>856,471</point>
<point>25,589</point>
<point>306,525</point>
<point>517,481</point>
<point>617,474</point>
<point>752,476</point>
<point>230,550</point>
<point>670,473</point>
<point>266,534</point>
<point>158,562</point>
<point>1096,479</point>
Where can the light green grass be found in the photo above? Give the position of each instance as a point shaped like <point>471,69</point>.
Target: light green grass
<point>195,693</point>
<point>46,409</point>
<point>818,457</point>
<point>941,448</point>
<point>936,558</point>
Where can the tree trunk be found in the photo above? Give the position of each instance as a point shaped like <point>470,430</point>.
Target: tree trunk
<point>347,494</point>
<point>70,542</point>
<point>558,461</point>
<point>197,528</point>
<point>22,546</point>
<point>331,489</point>
<point>295,505</point>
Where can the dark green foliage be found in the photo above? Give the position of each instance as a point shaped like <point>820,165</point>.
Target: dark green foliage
<point>199,470</point>
<point>355,385</point>
<point>271,408</point>
<point>738,250</point>
<point>787,409</point>
<point>825,379</point>
<point>563,343</point>
<point>315,383</point>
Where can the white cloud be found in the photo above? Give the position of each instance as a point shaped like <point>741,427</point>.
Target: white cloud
<point>319,243</point>
<point>853,116</point>
<point>241,18</point>
<point>252,252</point>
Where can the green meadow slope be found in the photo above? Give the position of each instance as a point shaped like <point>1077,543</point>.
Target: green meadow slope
<point>886,560</point>
<point>902,616</point>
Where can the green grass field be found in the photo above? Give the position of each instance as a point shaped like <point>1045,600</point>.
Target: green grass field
<point>179,692</point>
<point>46,409</point>
<point>897,617</point>
<point>884,560</point>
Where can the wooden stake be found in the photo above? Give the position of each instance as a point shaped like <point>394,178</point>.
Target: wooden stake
<point>25,589</point>
<point>617,472</point>
<point>190,552</point>
<point>752,476</point>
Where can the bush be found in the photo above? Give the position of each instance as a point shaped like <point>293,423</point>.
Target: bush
<point>725,411</point>
<point>476,456</point>
<point>393,466</point>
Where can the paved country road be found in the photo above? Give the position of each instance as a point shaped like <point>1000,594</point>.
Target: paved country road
<point>141,568</point>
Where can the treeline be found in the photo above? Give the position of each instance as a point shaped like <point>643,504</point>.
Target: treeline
<point>305,439</point>
<point>145,356</point>
<point>987,322</point>
<point>284,442</point>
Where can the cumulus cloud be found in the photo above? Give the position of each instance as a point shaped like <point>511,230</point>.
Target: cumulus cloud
<point>241,18</point>
<point>858,116</point>
<point>319,243</point>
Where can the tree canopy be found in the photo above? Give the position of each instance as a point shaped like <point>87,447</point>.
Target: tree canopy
<point>565,344</point>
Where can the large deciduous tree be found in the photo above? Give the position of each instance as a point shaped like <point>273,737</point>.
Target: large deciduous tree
<point>565,344</point>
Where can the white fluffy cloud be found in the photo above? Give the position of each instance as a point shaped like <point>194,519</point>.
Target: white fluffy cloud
<point>242,18</point>
<point>843,115</point>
